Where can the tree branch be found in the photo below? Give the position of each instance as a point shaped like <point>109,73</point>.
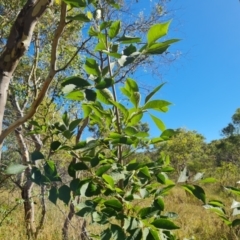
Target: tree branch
<point>48,80</point>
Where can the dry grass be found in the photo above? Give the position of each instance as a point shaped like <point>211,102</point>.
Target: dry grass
<point>193,219</point>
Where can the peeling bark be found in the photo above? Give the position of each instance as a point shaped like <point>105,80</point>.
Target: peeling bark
<point>18,42</point>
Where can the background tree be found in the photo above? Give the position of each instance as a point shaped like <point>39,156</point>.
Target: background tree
<point>185,148</point>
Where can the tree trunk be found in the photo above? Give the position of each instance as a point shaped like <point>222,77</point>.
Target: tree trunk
<point>29,208</point>
<point>17,43</point>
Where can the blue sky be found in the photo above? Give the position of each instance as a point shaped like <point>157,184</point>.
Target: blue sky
<point>204,83</point>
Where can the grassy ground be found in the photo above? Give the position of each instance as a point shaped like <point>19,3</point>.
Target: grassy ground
<point>193,219</point>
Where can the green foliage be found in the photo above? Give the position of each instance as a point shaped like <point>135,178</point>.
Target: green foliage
<point>111,186</point>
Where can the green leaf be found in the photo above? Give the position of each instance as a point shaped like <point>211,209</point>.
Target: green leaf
<point>159,204</point>
<point>55,145</point>
<point>159,105</point>
<point>165,190</point>
<point>128,39</point>
<point>157,48</point>
<point>144,193</point>
<point>155,90</point>
<point>117,232</point>
<point>100,47</point>
<point>15,169</point>
<point>208,180</point>
<point>153,235</point>
<point>144,172</point>
<point>122,140</point>
<point>74,124</point>
<point>80,17</point>
<point>77,81</point>
<point>197,191</point>
<point>84,212</point>
<point>133,165</point>
<point>106,234</point>
<point>68,134</point>
<point>65,119</point>
<point>157,31</point>
<point>105,96</point>
<point>53,195</point>
<point>103,169</point>
<point>113,203</point>
<point>80,145</point>
<point>147,212</point>
<point>86,110</point>
<point>64,194</point>
<point>233,190</point>
<point>135,234</point>
<point>51,171</point>
<point>135,118</point>
<point>92,67</point>
<point>36,155</point>
<point>93,189</point>
<point>36,175</point>
<point>125,92</point>
<point>131,223</point>
<point>167,134</point>
<point>159,123</point>
<point>135,99</point>
<point>131,85</point>
<point>75,95</point>
<point>130,131</point>
<point>105,83</point>
<point>164,224</point>
<point>218,210</point>
<point>236,222</point>
<point>92,32</point>
<point>121,107</point>
<point>129,50</point>
<point>75,184</point>
<point>108,179</point>
<point>161,178</point>
<point>90,95</point>
<point>76,3</point>
<point>105,25</point>
<point>216,203</point>
<point>80,166</point>
<point>114,29</point>
<point>113,54</point>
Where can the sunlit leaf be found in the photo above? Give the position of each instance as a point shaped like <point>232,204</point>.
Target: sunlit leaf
<point>113,203</point>
<point>92,67</point>
<point>159,105</point>
<point>75,95</point>
<point>103,169</point>
<point>104,95</point>
<point>159,123</point>
<point>114,29</point>
<point>164,224</point>
<point>157,31</point>
<point>128,39</point>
